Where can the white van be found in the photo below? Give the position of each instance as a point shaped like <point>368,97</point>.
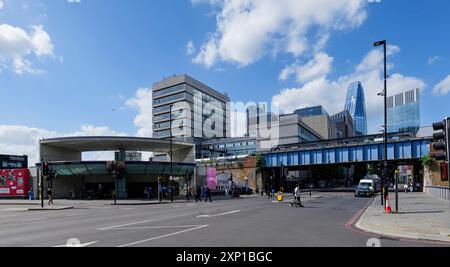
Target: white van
<point>370,183</point>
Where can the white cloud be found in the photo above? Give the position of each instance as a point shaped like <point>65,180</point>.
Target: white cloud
<point>23,140</point>
<point>190,48</point>
<point>74,1</point>
<point>442,87</point>
<point>316,68</point>
<point>17,47</point>
<point>41,41</point>
<point>246,32</point>
<point>142,102</point>
<point>433,60</point>
<point>331,93</point>
<point>375,58</point>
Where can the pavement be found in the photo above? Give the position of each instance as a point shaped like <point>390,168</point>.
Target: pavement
<point>326,221</point>
<point>420,217</point>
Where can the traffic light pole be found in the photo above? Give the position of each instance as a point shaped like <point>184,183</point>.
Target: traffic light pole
<point>447,131</point>
<point>42,187</point>
<point>115,186</point>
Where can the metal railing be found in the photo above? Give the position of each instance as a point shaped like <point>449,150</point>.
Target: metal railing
<point>438,191</point>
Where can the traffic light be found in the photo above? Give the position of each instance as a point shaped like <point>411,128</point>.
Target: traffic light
<point>441,140</point>
<point>45,169</point>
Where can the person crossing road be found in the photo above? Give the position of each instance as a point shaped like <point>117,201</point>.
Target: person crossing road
<point>297,195</point>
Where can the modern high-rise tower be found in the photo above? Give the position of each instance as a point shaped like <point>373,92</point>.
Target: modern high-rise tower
<point>404,112</point>
<point>355,103</point>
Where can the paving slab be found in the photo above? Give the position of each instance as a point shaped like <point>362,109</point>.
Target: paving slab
<point>420,217</point>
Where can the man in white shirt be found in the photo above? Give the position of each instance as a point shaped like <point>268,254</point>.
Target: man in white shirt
<point>297,193</point>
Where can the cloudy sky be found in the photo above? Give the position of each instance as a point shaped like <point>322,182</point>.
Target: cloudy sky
<point>85,67</point>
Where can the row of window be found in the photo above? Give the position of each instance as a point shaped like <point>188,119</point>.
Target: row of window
<point>401,150</point>
<point>169,90</point>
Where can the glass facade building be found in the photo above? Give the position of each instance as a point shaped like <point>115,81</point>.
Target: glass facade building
<point>355,103</point>
<point>229,147</point>
<point>404,112</point>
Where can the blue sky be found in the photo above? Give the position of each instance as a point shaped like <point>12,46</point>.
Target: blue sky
<point>76,68</point>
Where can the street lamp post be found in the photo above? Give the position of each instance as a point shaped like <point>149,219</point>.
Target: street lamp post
<point>384,179</point>
<point>171,155</point>
<point>396,191</point>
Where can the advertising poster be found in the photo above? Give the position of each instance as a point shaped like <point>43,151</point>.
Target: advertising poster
<point>14,183</point>
<point>211,178</point>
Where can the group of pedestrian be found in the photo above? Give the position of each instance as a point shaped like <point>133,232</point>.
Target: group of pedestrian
<point>409,188</point>
<point>203,191</point>
<point>148,193</point>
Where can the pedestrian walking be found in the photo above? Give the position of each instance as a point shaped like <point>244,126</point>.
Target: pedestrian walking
<point>297,194</point>
<point>188,193</point>
<point>198,194</point>
<point>150,192</point>
<point>208,194</point>
<point>50,196</point>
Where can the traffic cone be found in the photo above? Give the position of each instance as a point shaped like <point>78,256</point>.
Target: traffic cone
<point>388,206</point>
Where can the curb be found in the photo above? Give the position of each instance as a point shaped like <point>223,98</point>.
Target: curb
<point>384,235</point>
<point>50,209</point>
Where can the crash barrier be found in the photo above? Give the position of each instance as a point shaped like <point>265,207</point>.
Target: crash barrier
<point>438,191</point>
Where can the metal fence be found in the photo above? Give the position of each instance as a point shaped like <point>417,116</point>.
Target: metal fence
<point>438,191</point>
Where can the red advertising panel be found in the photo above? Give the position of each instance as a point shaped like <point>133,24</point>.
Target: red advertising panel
<point>14,183</point>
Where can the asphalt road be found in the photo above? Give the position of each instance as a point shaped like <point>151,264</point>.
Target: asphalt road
<point>244,222</point>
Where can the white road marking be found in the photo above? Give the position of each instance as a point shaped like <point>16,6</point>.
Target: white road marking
<point>163,236</point>
<point>76,244</point>
<point>34,220</point>
<point>141,222</point>
<point>74,215</point>
<point>156,227</point>
<point>220,214</point>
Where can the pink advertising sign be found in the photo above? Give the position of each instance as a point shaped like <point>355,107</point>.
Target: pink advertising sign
<point>211,178</point>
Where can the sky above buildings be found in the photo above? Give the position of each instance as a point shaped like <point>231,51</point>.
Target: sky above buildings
<point>86,67</point>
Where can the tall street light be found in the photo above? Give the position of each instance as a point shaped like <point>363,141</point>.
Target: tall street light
<point>384,179</point>
<point>171,155</point>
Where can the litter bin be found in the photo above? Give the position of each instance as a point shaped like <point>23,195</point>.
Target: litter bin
<point>30,195</point>
<point>280,196</point>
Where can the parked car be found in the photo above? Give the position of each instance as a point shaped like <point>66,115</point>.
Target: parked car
<point>363,190</point>
<point>246,191</point>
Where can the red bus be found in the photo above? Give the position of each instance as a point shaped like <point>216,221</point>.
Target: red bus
<point>14,183</point>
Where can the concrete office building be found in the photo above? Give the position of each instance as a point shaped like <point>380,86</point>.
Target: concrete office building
<point>404,112</point>
<point>257,115</point>
<point>198,111</point>
<point>290,129</point>
<point>344,124</point>
<point>317,118</point>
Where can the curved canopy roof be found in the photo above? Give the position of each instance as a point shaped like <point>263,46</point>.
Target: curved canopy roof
<point>70,148</point>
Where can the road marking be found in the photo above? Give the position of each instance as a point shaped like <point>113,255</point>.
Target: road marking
<point>163,236</point>
<point>74,215</point>
<point>141,222</point>
<point>75,243</point>
<point>34,220</point>
<point>156,227</point>
<point>220,214</point>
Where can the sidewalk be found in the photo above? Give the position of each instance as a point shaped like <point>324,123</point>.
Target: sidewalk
<point>420,217</point>
<point>21,204</point>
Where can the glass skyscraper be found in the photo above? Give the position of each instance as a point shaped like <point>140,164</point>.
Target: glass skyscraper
<point>355,103</point>
<point>404,112</point>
